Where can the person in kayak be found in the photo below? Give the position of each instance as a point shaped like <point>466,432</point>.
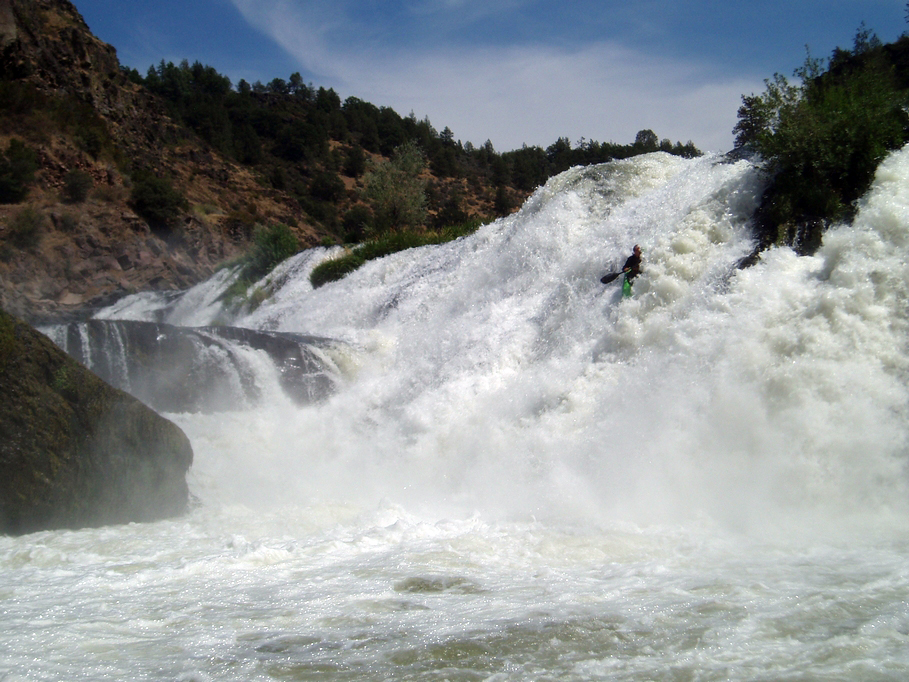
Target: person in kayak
<point>632,269</point>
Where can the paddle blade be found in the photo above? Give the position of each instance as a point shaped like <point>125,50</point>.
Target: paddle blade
<point>606,279</point>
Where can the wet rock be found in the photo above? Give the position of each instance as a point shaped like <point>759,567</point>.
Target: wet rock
<point>75,451</point>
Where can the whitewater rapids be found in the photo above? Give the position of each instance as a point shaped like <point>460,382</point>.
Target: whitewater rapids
<point>524,476</point>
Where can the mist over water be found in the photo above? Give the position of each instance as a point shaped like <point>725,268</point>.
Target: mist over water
<point>497,375</point>
<point>522,475</point>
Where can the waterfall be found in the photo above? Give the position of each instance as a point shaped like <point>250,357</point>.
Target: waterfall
<point>201,369</point>
<point>497,372</point>
<point>508,471</point>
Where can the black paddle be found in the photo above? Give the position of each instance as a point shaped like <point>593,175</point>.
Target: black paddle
<point>606,279</point>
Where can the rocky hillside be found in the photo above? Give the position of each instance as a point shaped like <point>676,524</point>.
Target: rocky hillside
<point>64,98</point>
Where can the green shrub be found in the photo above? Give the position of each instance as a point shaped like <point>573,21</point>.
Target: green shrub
<point>468,227</point>
<point>392,242</point>
<point>271,245</point>
<point>18,97</point>
<point>156,200</point>
<point>257,298</point>
<point>354,162</point>
<point>327,187</point>
<point>76,186</point>
<point>91,141</point>
<point>504,204</point>
<point>25,228</point>
<point>64,382</point>
<point>17,171</point>
<point>357,222</point>
<point>335,268</point>
<point>396,189</point>
<point>237,290</point>
<point>81,120</point>
<point>450,213</point>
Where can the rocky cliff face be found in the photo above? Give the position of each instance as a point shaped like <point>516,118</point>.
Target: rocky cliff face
<point>76,452</point>
<point>47,41</point>
<point>64,95</point>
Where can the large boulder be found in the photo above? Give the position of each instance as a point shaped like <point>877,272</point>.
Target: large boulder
<point>74,451</point>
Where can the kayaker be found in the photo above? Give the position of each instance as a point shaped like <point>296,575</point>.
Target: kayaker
<point>632,269</point>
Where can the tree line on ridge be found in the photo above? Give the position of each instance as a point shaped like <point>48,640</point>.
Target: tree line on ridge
<point>305,140</point>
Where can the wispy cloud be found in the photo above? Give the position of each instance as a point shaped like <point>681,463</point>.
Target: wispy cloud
<point>534,95</point>
<point>465,12</point>
<point>510,94</point>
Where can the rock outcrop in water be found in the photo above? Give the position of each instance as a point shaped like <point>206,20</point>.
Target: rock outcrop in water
<point>75,451</point>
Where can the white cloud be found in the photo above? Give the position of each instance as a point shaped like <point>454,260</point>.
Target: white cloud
<point>513,95</point>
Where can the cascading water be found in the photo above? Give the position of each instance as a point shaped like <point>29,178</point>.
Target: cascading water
<point>192,369</point>
<point>522,475</point>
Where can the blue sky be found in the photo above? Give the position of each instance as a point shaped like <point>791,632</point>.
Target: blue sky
<point>511,71</point>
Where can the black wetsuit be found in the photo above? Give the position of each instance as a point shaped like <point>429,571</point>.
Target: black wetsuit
<point>632,267</point>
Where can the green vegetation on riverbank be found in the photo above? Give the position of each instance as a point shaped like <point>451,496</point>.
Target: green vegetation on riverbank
<point>391,242</point>
<point>823,138</point>
<point>270,246</point>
